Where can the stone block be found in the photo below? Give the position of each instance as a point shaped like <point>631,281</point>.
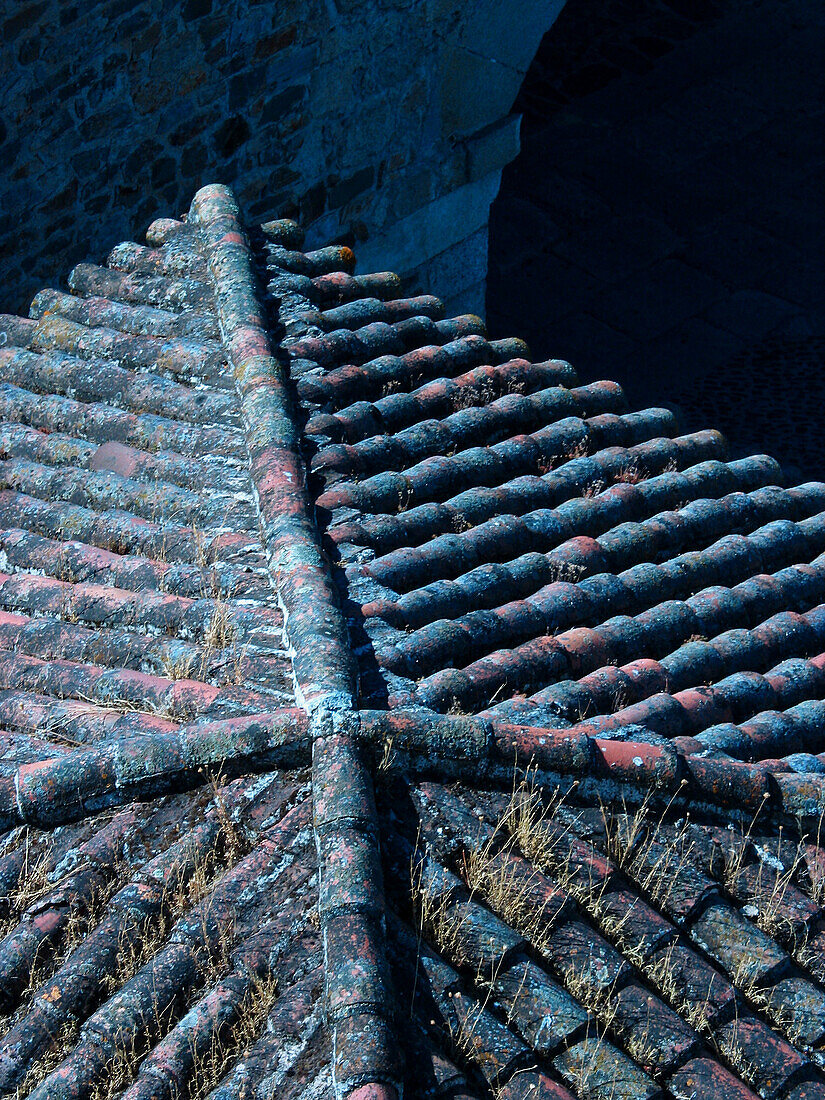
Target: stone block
<point>493,147</point>
<point>432,230</point>
<point>457,269</point>
<point>471,300</point>
<point>474,91</point>
<point>509,41</point>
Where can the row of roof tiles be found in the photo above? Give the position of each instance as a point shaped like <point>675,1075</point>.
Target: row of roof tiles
<point>450,475</point>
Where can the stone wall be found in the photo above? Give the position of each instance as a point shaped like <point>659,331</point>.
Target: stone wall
<point>382,123</point>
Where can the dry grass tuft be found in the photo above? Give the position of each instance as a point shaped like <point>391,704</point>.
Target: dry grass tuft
<point>42,1067</point>
<point>220,632</point>
<point>814,861</point>
<point>491,872</point>
<point>432,912</point>
<point>593,488</point>
<point>180,669</point>
<point>120,1071</point>
<point>576,450</point>
<point>33,882</point>
<point>234,1041</point>
<point>631,474</point>
<point>566,571</point>
<point>661,974</point>
<point>477,395</point>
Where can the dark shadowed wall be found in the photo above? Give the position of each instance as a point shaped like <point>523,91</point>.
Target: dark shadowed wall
<point>664,223</point>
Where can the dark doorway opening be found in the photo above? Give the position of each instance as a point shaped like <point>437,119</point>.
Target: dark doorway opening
<point>664,224</point>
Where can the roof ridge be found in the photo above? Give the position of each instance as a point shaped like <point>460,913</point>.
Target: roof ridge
<point>351,905</point>
<point>321,661</point>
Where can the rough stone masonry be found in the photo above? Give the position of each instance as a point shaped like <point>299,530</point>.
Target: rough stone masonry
<point>376,122</point>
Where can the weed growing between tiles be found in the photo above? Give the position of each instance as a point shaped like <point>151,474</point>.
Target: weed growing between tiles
<point>651,850</point>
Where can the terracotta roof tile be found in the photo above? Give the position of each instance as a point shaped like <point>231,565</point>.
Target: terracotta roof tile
<point>384,711</point>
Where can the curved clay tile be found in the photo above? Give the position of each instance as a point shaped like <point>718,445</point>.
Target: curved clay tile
<point>384,712</point>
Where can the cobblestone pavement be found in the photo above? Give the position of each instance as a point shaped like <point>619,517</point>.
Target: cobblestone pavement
<point>663,224</point>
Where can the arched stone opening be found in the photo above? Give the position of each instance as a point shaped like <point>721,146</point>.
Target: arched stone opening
<point>663,223</point>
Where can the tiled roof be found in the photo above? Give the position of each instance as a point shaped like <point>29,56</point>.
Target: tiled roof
<point>384,712</point>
